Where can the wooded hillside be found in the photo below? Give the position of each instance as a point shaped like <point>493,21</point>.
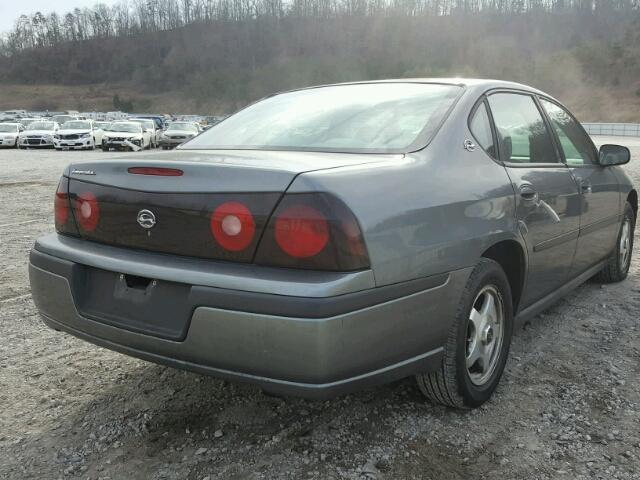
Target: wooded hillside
<point>217,55</point>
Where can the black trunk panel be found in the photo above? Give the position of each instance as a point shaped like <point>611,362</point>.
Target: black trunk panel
<point>183,220</point>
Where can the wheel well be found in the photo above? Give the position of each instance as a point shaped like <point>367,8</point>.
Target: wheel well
<point>632,198</point>
<point>510,256</point>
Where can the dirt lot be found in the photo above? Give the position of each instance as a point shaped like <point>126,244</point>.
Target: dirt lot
<point>568,405</point>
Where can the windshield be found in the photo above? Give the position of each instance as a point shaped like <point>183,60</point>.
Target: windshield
<point>8,128</point>
<point>62,118</point>
<point>376,117</point>
<point>42,126</point>
<point>146,123</point>
<point>77,125</point>
<point>125,127</point>
<point>183,126</point>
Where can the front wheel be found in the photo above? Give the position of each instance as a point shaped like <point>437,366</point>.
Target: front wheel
<point>617,267</point>
<point>477,348</point>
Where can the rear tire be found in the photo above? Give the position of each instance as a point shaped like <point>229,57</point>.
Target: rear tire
<point>617,267</point>
<point>477,348</point>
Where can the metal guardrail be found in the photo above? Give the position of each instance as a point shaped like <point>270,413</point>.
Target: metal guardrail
<point>613,129</point>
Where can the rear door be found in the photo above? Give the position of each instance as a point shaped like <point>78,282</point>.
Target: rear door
<point>547,196</point>
<point>599,190</point>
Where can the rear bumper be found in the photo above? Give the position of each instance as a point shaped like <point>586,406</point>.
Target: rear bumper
<point>310,346</point>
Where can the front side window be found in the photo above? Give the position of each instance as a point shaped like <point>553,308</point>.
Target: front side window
<point>576,145</point>
<point>480,126</point>
<point>522,133</point>
<point>375,117</point>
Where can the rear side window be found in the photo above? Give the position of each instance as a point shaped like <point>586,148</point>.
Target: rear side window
<point>576,145</point>
<point>480,126</point>
<point>522,134</point>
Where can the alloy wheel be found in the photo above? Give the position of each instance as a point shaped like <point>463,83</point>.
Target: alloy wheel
<point>485,335</point>
<point>625,245</point>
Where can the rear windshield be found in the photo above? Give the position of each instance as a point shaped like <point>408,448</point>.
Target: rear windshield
<point>376,117</point>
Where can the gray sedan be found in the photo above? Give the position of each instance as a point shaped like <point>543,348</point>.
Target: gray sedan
<point>337,237</point>
<point>178,133</point>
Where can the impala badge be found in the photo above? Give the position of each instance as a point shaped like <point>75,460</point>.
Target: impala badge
<point>146,219</point>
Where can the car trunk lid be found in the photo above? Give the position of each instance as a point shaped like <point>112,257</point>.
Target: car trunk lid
<point>173,213</point>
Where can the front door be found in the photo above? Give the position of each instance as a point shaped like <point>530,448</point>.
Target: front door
<point>599,190</point>
<point>547,196</point>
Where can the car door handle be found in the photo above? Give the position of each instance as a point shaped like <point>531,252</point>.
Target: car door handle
<point>528,193</point>
<point>585,187</point>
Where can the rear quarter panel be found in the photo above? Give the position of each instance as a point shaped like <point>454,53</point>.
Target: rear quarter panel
<point>429,212</point>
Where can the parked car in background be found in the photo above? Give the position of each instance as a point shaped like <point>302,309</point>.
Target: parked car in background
<point>9,133</point>
<point>38,134</point>
<point>177,133</point>
<point>151,127</point>
<point>159,120</point>
<point>26,121</point>
<point>331,238</point>
<point>78,135</point>
<point>64,118</point>
<point>102,125</point>
<point>12,114</point>
<point>126,136</point>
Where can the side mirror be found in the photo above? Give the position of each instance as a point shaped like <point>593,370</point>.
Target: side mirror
<point>614,155</point>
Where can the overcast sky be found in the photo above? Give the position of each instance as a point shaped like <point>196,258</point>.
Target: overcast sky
<point>10,10</point>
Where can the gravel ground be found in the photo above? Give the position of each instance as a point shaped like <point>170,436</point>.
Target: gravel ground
<point>568,405</point>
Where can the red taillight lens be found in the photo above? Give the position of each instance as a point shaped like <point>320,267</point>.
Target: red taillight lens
<point>314,231</point>
<point>162,172</point>
<point>233,226</point>
<point>87,211</point>
<point>301,231</point>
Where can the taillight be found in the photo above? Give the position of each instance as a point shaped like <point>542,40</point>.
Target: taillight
<point>313,231</point>
<point>233,226</point>
<point>301,231</point>
<point>62,216</point>
<point>61,207</point>
<point>87,211</point>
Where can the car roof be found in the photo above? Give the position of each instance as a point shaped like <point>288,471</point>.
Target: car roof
<point>475,83</point>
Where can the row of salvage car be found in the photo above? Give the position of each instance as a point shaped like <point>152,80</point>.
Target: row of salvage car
<point>131,134</point>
